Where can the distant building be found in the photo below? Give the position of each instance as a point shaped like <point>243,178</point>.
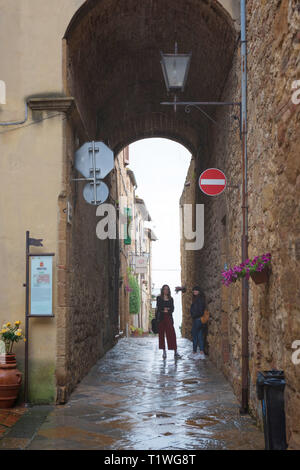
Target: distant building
<point>135,248</point>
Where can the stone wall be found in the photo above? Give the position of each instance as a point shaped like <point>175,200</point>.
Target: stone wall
<point>274,190</point>
<point>189,271</point>
<point>88,304</point>
<point>273,199</point>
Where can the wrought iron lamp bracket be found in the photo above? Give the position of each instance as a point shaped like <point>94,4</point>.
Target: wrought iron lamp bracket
<point>199,104</point>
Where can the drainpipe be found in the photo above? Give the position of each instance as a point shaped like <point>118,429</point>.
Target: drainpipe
<point>245,281</point>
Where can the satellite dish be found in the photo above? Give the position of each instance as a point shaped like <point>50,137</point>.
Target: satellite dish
<point>98,190</point>
<point>104,159</point>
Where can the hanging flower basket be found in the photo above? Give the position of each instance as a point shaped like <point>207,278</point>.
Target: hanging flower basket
<point>261,277</point>
<point>258,269</point>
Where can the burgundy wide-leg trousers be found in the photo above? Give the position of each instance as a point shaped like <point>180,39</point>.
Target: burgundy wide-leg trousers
<point>165,327</point>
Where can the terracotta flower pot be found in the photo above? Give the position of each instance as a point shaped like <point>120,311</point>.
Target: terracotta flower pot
<point>261,277</point>
<point>10,380</point>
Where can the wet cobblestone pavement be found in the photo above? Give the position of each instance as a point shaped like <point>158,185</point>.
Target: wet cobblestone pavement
<point>133,399</point>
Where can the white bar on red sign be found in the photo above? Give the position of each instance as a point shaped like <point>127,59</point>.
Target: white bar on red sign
<point>214,182</point>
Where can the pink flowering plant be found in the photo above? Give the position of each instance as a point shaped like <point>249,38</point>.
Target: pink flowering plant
<point>245,269</point>
<point>180,289</point>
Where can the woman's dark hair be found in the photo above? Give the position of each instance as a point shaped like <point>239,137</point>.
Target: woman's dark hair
<point>200,295</point>
<point>162,291</point>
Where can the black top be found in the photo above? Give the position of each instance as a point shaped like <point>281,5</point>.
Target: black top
<point>197,308</point>
<point>161,304</point>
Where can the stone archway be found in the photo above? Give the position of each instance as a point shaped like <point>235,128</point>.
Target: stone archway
<point>114,69</point>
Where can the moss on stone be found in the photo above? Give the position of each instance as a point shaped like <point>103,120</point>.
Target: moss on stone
<point>42,389</point>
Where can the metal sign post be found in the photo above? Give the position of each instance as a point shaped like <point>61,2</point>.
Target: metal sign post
<point>27,285</point>
<point>94,160</point>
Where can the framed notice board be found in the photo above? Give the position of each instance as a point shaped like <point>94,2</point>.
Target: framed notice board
<point>41,285</point>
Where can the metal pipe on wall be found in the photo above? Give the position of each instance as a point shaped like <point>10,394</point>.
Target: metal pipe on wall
<point>16,123</point>
<point>26,321</point>
<point>245,281</point>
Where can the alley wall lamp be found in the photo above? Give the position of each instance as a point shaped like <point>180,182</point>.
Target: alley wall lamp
<point>175,69</point>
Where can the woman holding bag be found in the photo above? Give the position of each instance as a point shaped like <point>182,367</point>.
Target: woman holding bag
<point>197,312</point>
<point>164,310</point>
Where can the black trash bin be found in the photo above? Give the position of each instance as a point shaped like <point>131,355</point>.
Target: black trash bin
<point>270,390</point>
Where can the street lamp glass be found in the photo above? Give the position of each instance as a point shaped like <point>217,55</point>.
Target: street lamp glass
<point>175,68</point>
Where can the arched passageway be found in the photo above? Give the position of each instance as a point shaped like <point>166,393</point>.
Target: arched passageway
<point>114,68</point>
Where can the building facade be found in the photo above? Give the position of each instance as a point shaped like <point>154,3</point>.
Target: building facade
<point>135,248</point>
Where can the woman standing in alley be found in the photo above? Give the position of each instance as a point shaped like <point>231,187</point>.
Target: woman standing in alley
<point>197,311</point>
<point>164,317</point>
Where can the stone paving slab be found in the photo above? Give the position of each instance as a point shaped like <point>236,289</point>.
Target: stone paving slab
<point>9,417</point>
<point>24,429</point>
<point>133,399</point>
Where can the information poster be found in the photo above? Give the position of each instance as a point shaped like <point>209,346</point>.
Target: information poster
<point>141,263</point>
<point>41,285</point>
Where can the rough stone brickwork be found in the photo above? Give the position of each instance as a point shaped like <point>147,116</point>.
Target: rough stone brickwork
<point>274,142</point>
<point>274,222</point>
<point>189,270</point>
<point>88,277</point>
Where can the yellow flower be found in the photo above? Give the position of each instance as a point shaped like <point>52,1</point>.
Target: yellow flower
<point>8,324</point>
<point>19,332</point>
<point>17,323</point>
<point>5,330</point>
<point>24,339</point>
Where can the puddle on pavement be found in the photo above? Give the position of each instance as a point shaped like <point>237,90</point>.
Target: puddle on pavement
<point>156,414</point>
<point>116,423</point>
<point>194,381</point>
<point>203,421</point>
<point>190,381</point>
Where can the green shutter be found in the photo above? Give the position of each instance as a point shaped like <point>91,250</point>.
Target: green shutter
<point>128,215</point>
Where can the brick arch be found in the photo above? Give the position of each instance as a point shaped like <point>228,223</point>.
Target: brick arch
<point>152,125</point>
<point>114,66</point>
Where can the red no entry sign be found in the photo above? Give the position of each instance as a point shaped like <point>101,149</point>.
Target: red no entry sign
<point>212,182</point>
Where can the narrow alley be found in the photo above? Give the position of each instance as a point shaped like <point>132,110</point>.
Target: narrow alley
<point>132,399</point>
